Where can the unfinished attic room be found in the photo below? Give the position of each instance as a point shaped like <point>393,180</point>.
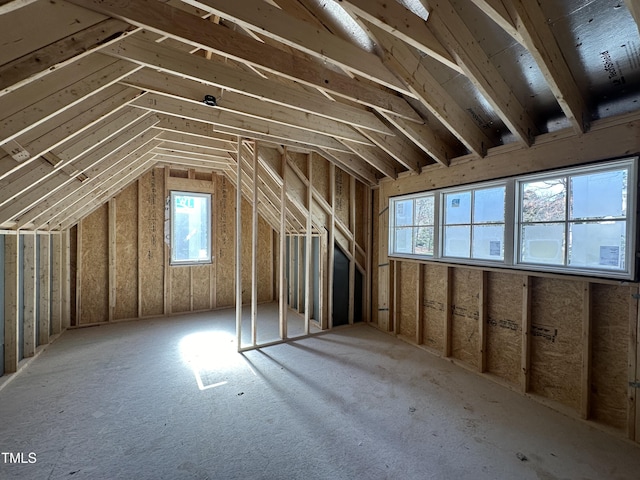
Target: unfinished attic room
<point>318,239</point>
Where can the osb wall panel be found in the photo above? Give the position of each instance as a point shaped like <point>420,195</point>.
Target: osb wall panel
<point>556,318</point>
<point>464,315</point>
<point>375,259</point>
<point>320,176</point>
<point>201,278</point>
<point>434,305</point>
<point>300,161</point>
<point>296,189</point>
<point>361,215</point>
<point>266,257</point>
<point>246,251</point>
<point>151,261</point>
<point>609,350</point>
<point>180,289</point>
<point>73,275</point>
<point>343,194</point>
<point>94,273</point>
<point>504,325</point>
<point>127,253</point>
<point>225,256</point>
<point>406,310</point>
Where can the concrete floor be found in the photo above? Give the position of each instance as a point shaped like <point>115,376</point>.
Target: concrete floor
<point>170,399</point>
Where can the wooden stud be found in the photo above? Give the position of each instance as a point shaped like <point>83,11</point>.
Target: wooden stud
<point>29,279</point>
<point>420,305</point>
<point>395,295</point>
<point>331,245</point>
<point>369,254</point>
<point>140,247</point>
<point>585,387</point>
<point>239,244</point>
<point>165,240</point>
<point>65,275</point>
<point>112,259</point>
<point>79,273</point>
<point>352,247</point>
<point>482,322</point>
<point>57,281</point>
<point>299,273</point>
<point>12,286</point>
<point>190,288</point>
<point>632,413</point>
<point>44,279</point>
<point>213,278</point>
<point>29,293</point>
<point>448,313</point>
<point>283,290</point>
<point>525,357</point>
<point>307,278</point>
<point>254,248</point>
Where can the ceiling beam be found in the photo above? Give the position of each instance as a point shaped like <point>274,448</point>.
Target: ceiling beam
<point>451,30</point>
<point>34,103</point>
<point>634,8</point>
<point>202,33</point>
<point>397,147</point>
<point>67,124</point>
<point>194,92</point>
<point>407,63</point>
<point>351,164</point>
<point>42,62</point>
<point>204,113</point>
<point>279,25</point>
<point>102,173</point>
<point>154,55</point>
<point>425,138</point>
<point>395,19</point>
<point>378,159</point>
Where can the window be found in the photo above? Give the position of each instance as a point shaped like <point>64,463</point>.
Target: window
<point>414,225</point>
<point>576,220</point>
<point>474,223</point>
<point>190,228</point>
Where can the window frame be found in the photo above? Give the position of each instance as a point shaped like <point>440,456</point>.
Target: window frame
<point>631,165</point>
<point>413,225</point>
<point>172,228</point>
<point>513,224</point>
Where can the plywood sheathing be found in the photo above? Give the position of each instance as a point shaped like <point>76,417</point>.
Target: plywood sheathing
<point>609,309</point>
<point>126,260</point>
<point>225,256</point>
<point>375,260</point>
<point>556,326</point>
<point>320,173</point>
<point>151,245</point>
<point>435,306</point>
<point>406,306</point>
<point>464,315</point>
<point>180,288</point>
<point>504,326</point>
<point>342,196</point>
<point>94,267</point>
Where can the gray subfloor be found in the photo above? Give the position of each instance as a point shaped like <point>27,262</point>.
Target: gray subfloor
<point>170,399</point>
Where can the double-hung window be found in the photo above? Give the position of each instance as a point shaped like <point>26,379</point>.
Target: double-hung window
<point>577,220</point>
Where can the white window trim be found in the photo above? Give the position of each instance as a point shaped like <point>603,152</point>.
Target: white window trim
<point>203,261</point>
<point>512,222</point>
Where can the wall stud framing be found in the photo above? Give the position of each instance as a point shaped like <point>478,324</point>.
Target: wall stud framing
<point>420,305</point>
<point>11,338</point>
<point>44,302</point>
<point>525,358</point>
<point>29,291</point>
<point>633,430</point>
<point>254,248</point>
<point>307,259</point>
<point>112,258</point>
<point>79,274</point>
<point>57,287</point>
<point>239,244</point>
<point>448,314</point>
<point>585,387</point>
<point>282,300</point>
<point>331,245</point>
<point>482,323</point>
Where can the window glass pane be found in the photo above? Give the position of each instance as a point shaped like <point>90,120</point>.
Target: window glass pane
<point>424,240</point>
<point>598,245</point>
<point>425,210</point>
<point>457,208</point>
<point>599,195</point>
<point>544,201</point>
<point>543,243</point>
<point>488,205</point>
<point>190,227</point>
<point>404,240</point>
<point>457,241</point>
<point>404,213</point>
<point>488,242</point>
